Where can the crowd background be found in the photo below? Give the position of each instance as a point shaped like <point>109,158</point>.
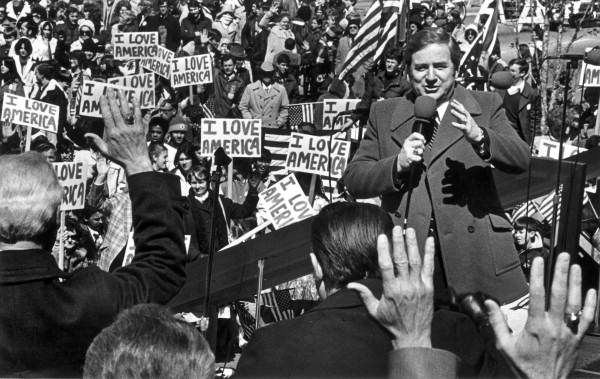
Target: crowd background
<point>267,56</point>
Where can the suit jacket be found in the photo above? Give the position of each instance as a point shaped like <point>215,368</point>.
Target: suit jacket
<point>454,185</point>
<point>271,108</point>
<point>338,338</point>
<point>527,111</point>
<point>46,325</point>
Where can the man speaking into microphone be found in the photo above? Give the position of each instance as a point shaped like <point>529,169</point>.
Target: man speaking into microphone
<point>452,192</point>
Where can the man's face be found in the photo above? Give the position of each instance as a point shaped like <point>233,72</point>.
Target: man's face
<point>156,134</point>
<point>163,9</point>
<point>89,55</point>
<point>194,10</point>
<point>23,29</point>
<point>178,137</point>
<point>432,72</point>
<point>167,111</point>
<point>185,162</point>
<point>261,167</point>
<point>391,65</point>
<point>353,30</point>
<point>282,67</point>
<point>39,78</point>
<point>228,67</point>
<point>267,79</point>
<point>429,20</point>
<point>285,23</point>
<point>95,221</point>
<point>74,64</point>
<point>515,71</point>
<point>73,17</point>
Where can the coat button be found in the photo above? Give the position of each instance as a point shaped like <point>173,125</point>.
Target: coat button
<point>470,228</point>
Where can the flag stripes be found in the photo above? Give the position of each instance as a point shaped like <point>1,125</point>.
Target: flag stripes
<point>278,302</point>
<point>378,28</point>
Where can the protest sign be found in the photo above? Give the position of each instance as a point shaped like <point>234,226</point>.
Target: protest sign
<point>72,176</point>
<point>331,107</point>
<point>138,87</point>
<point>238,137</point>
<point>135,45</point>
<point>33,113</point>
<point>312,154</point>
<point>187,71</point>
<point>159,64</point>
<point>285,202</point>
<point>589,75</point>
<point>91,94</point>
<point>548,148</point>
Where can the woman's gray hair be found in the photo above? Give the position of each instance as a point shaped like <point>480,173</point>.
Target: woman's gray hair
<point>30,198</point>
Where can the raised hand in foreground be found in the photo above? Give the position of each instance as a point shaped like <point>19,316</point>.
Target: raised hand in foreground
<point>548,345</point>
<point>124,141</point>
<point>406,305</point>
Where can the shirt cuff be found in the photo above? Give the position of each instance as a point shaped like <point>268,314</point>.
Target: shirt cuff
<point>422,363</point>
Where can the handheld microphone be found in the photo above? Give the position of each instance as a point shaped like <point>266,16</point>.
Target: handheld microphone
<point>425,108</point>
<point>501,80</point>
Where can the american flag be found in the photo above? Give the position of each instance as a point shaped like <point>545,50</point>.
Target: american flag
<point>526,210</point>
<point>279,303</point>
<point>378,28</point>
<point>305,112</point>
<point>486,40</point>
<point>277,142</point>
<point>247,321</point>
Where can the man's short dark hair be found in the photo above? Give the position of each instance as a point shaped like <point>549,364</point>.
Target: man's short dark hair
<point>522,63</point>
<point>146,341</point>
<point>344,240</point>
<point>394,53</point>
<point>289,44</point>
<point>283,58</point>
<point>426,37</point>
<point>227,57</point>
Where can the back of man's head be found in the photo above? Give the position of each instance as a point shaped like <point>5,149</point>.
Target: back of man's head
<point>146,341</point>
<point>29,199</point>
<point>344,241</point>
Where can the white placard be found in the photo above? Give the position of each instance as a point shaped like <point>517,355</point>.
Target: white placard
<point>23,111</point>
<point>238,137</point>
<point>159,64</point>
<point>135,45</point>
<point>141,86</point>
<point>311,154</point>
<point>187,71</point>
<point>331,108</point>
<point>285,203</point>
<point>72,176</point>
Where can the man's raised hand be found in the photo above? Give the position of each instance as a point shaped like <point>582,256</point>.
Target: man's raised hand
<point>406,305</point>
<point>124,133</point>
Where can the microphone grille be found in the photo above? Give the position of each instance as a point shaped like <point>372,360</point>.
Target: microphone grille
<point>425,107</point>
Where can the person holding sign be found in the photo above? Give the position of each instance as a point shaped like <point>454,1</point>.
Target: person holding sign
<point>200,199</point>
<point>169,24</point>
<point>265,100</point>
<point>54,317</point>
<point>451,188</point>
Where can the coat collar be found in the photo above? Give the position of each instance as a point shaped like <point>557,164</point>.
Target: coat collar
<point>18,266</point>
<point>346,298</point>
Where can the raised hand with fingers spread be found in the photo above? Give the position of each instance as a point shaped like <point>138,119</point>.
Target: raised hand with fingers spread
<point>548,345</point>
<point>124,133</point>
<point>406,305</point>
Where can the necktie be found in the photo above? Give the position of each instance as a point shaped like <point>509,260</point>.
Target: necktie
<point>436,124</point>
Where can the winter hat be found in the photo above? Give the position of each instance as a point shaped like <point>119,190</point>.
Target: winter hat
<point>86,23</point>
<point>177,124</point>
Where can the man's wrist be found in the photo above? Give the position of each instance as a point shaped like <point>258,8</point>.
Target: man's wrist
<point>142,165</point>
<point>405,341</point>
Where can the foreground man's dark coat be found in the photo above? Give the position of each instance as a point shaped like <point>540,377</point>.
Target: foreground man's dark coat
<point>47,325</point>
<point>338,338</point>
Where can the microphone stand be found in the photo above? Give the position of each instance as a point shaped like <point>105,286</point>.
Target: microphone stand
<point>554,236</point>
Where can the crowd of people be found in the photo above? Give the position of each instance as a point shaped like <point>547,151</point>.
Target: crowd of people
<point>268,55</point>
